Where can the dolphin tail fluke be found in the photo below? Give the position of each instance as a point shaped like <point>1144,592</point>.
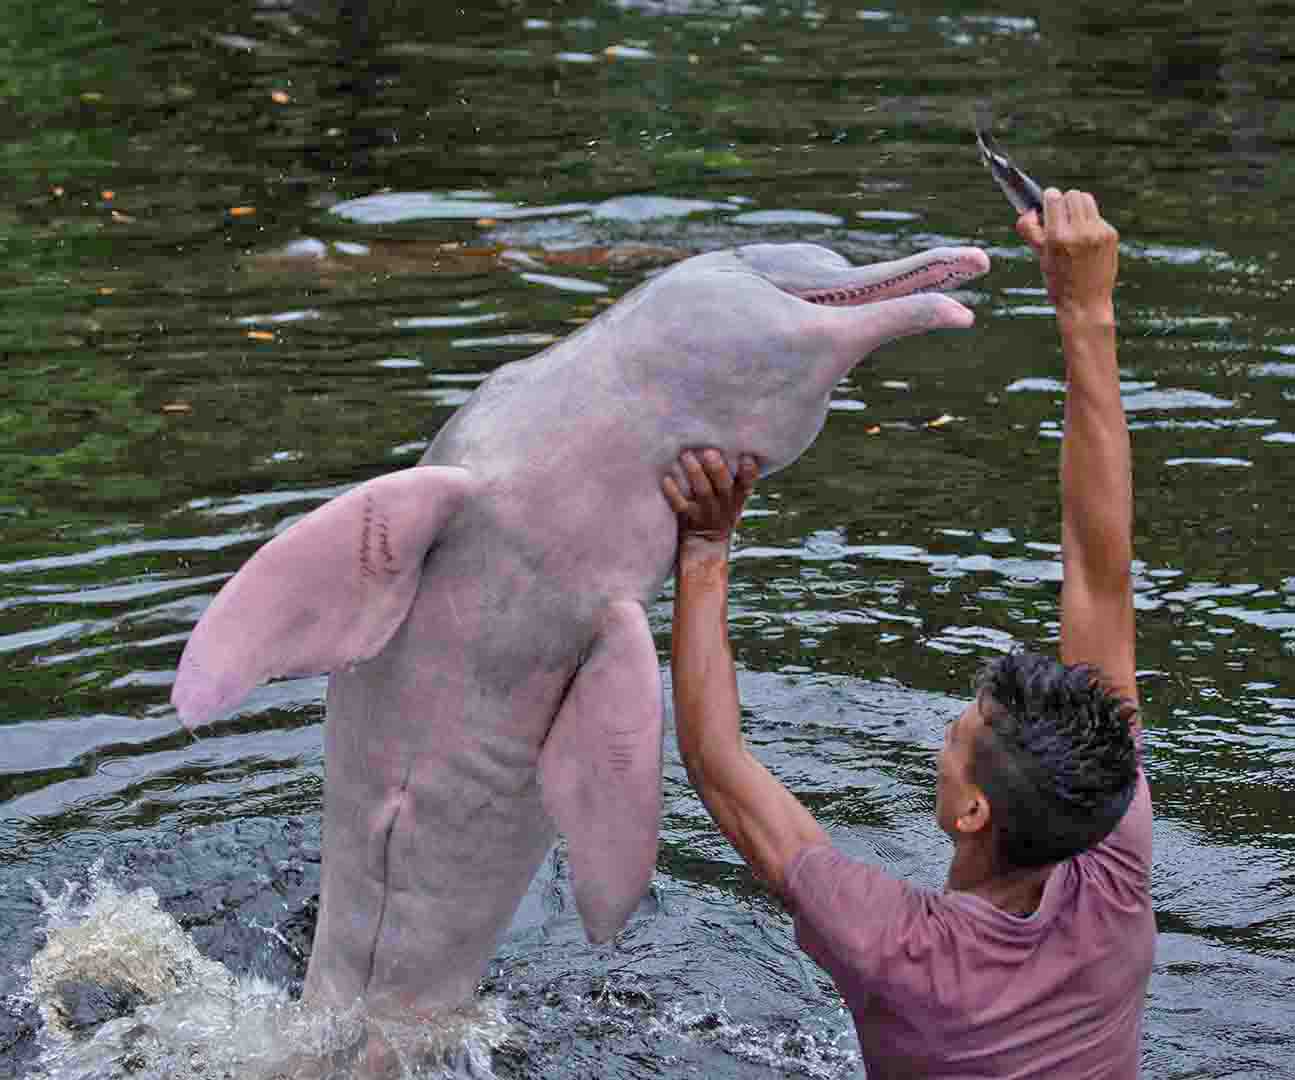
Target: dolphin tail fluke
<point>328,592</point>
<point>600,771</point>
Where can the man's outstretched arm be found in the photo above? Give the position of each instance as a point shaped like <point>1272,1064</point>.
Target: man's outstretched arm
<point>760,817</point>
<point>1079,255</point>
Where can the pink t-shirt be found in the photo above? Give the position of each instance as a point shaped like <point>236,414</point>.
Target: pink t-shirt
<point>944,984</point>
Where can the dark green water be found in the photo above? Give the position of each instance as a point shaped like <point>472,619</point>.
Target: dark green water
<point>176,388</point>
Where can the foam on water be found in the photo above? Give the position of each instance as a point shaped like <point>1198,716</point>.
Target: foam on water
<point>822,1055</point>
<point>123,990</point>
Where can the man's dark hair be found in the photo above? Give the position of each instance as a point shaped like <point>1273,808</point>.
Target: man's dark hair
<point>1055,757</point>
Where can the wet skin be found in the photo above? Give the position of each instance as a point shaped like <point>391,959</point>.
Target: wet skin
<point>494,680</point>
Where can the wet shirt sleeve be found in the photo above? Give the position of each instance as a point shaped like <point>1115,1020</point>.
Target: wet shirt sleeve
<point>848,915</point>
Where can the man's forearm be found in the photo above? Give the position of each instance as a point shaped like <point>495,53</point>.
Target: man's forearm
<point>1096,482</point>
<point>705,683</point>
<point>1097,624</point>
<point>760,817</point>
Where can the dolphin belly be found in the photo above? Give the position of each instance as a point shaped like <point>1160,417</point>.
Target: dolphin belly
<point>429,850</point>
<point>433,819</point>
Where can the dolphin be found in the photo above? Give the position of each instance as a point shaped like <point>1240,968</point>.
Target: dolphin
<point>482,614</point>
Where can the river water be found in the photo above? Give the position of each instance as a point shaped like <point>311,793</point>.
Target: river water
<point>255,253</point>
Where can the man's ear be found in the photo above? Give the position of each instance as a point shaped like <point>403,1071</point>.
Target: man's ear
<point>974,815</point>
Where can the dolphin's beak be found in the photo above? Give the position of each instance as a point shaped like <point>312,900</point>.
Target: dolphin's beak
<point>930,271</point>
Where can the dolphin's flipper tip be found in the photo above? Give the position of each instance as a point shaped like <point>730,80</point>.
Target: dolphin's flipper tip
<point>197,699</point>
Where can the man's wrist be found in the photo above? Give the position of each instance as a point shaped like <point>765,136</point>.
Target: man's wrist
<point>1077,317</point>
<point>697,548</point>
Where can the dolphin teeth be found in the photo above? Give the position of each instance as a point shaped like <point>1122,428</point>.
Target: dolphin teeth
<point>954,274</point>
<point>829,299</point>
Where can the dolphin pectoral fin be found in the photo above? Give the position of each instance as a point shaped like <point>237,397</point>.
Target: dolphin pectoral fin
<point>328,592</point>
<point>600,771</point>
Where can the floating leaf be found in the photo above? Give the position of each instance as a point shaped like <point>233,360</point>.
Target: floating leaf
<point>177,407</point>
<point>122,219</point>
<point>106,290</point>
<point>260,335</point>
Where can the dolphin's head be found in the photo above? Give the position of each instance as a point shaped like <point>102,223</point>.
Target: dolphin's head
<point>742,348</point>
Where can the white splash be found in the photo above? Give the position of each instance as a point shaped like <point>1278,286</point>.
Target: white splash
<point>187,1017</point>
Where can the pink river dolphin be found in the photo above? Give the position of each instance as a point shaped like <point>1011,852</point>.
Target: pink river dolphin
<point>482,614</point>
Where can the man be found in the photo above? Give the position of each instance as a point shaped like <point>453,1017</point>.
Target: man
<point>1034,959</point>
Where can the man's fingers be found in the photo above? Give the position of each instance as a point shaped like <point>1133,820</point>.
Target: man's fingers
<point>674,496</point>
<point>717,496</point>
<point>721,480</point>
<point>1054,212</point>
<point>697,478</point>
<point>1029,229</point>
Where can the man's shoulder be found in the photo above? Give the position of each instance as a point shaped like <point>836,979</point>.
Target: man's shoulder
<point>1123,859</point>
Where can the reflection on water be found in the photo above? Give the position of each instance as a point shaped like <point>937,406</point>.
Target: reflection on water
<point>254,256</point>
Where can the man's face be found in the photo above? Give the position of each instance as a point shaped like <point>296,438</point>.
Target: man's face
<point>954,790</point>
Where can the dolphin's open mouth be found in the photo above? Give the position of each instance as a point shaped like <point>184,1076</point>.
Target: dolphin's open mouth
<point>933,271</point>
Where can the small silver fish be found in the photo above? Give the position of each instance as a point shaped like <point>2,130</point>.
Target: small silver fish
<point>1021,191</point>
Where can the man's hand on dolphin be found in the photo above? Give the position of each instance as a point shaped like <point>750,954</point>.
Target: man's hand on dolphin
<point>710,515</point>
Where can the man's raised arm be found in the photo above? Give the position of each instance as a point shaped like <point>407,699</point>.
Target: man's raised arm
<point>1079,255</point>
<point>760,817</point>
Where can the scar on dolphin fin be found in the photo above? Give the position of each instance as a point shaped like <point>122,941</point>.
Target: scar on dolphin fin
<point>600,770</point>
<point>309,601</point>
